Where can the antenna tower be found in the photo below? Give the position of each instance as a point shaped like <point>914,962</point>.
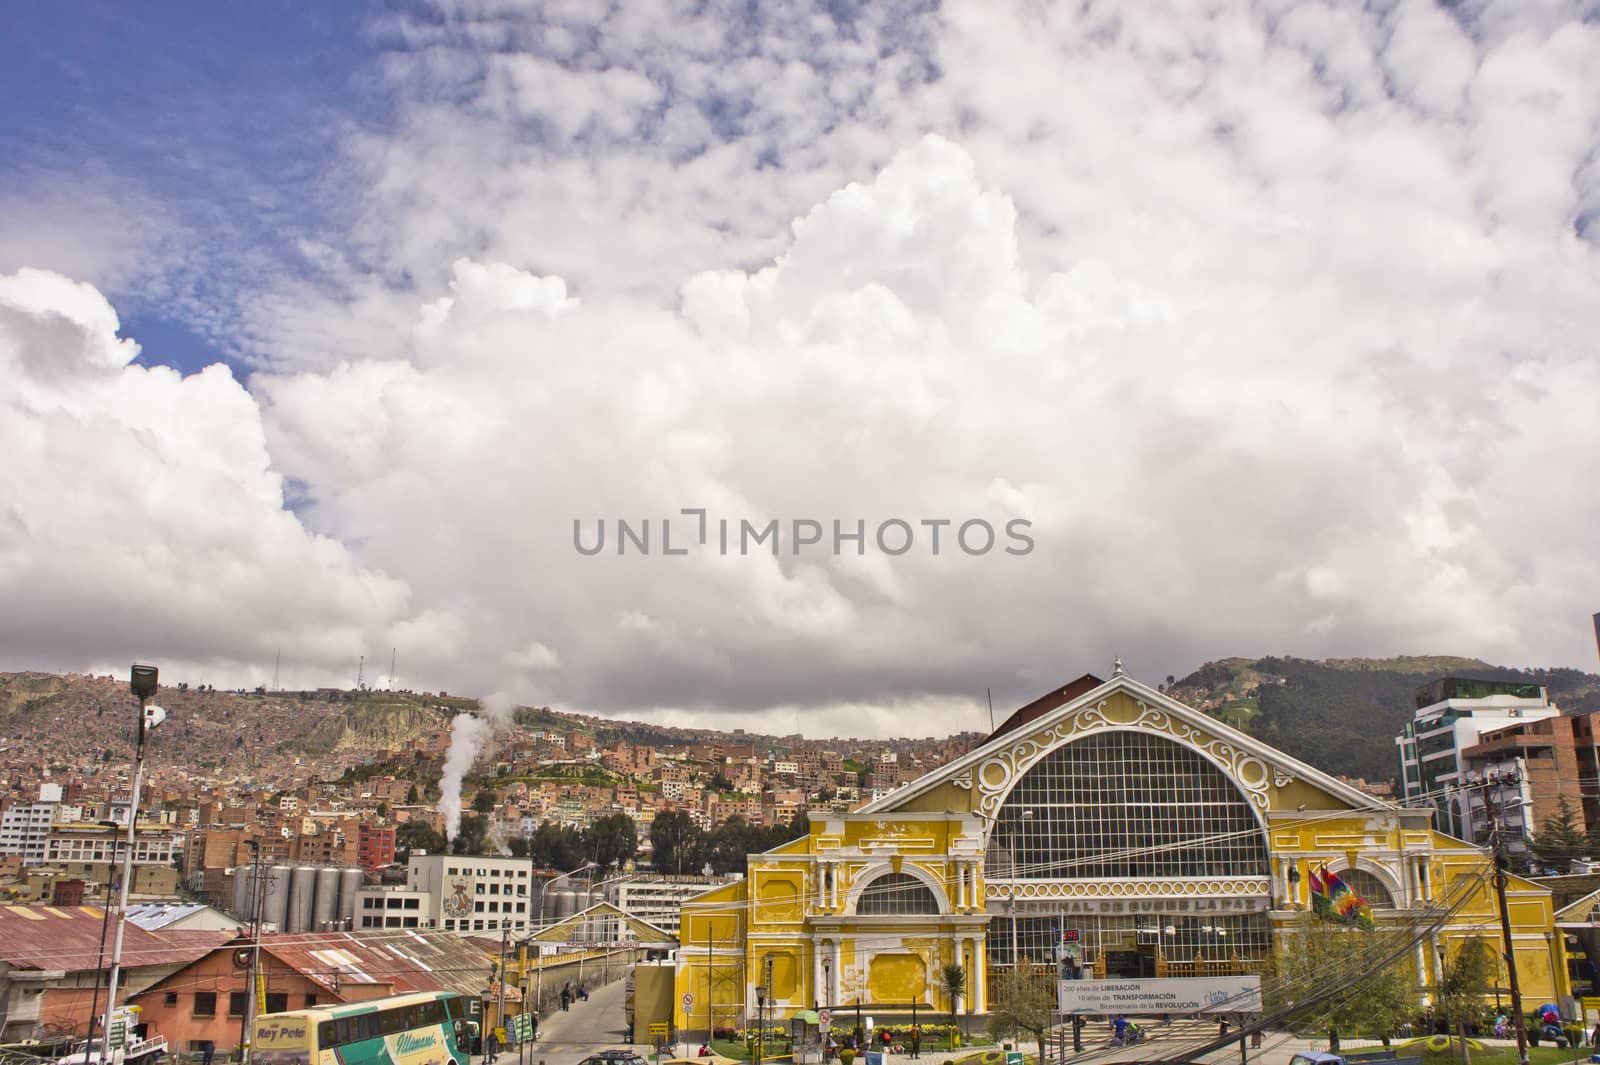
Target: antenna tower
<point>361,672</point>
<point>276,662</point>
<point>392,652</point>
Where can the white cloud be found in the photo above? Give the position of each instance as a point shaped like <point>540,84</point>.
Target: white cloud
<point>142,516</point>
<point>1277,324</point>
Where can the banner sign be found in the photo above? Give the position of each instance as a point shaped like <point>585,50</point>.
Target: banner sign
<point>1208,994</point>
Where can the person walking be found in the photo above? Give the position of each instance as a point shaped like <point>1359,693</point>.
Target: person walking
<point>533,1026</point>
<point>916,1040</point>
<point>566,997</point>
<point>208,1051</point>
<point>491,1048</point>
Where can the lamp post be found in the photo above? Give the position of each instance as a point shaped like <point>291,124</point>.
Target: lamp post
<point>143,681</point>
<point>761,1022</point>
<point>544,887</point>
<point>105,920</point>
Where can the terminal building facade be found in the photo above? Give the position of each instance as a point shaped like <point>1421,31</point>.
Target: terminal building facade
<point>1104,827</point>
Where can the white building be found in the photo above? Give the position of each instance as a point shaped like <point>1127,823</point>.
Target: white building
<point>1451,714</point>
<point>394,907</point>
<point>660,899</point>
<point>470,892</point>
<point>24,829</point>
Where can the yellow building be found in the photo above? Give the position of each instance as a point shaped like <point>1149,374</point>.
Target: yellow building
<point>1153,840</point>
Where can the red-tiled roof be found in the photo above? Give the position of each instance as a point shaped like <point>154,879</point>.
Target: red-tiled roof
<point>68,938</point>
<point>406,959</point>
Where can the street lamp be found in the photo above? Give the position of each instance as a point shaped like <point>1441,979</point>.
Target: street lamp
<point>761,1020</point>
<point>143,681</point>
<point>544,887</point>
<point>105,920</point>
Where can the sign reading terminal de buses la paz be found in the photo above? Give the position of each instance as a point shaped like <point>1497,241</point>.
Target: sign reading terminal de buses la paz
<point>1211,994</point>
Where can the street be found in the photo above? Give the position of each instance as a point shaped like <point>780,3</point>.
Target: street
<point>587,1027</point>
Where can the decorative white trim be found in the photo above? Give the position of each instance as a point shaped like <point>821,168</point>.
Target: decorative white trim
<point>1282,767</point>
<point>863,878</point>
<point>1001,771</point>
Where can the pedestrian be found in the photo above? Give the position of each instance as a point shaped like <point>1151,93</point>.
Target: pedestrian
<point>533,1026</point>
<point>566,996</point>
<point>491,1049</point>
<point>583,993</point>
<point>1596,1039</point>
<point>208,1050</point>
<point>916,1040</point>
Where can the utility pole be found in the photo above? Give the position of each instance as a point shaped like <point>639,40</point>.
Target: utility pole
<point>258,903</point>
<point>1517,1019</point>
<point>505,943</point>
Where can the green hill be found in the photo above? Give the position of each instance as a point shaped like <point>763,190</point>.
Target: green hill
<point>1342,715</point>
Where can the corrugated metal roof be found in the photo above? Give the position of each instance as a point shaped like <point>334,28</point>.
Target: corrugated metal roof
<point>407,960</point>
<point>68,938</point>
<point>153,916</point>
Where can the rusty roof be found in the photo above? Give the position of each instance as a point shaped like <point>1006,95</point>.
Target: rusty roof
<point>404,959</point>
<point>68,938</point>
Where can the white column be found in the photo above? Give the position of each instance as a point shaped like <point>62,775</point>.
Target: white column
<point>975,978</point>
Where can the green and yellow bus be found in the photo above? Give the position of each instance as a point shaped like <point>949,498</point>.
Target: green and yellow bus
<point>426,1028</point>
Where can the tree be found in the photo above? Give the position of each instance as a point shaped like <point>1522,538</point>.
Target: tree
<point>673,841</point>
<point>612,840</point>
<point>472,835</point>
<point>483,801</point>
<point>1024,1002</point>
<point>953,982</point>
<point>417,835</point>
<point>411,796</point>
<point>1467,979</point>
<point>1374,1005</point>
<point>1559,839</point>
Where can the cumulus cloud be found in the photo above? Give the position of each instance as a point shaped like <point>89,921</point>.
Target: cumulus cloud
<point>142,516</point>
<point>1275,324</point>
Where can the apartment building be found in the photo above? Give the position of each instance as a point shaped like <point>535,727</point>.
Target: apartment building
<point>1451,716</point>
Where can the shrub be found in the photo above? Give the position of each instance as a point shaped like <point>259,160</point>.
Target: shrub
<point>846,1056</point>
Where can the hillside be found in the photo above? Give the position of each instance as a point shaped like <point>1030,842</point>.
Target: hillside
<point>1342,715</point>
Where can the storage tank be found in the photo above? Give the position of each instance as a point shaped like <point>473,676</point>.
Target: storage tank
<point>350,881</point>
<point>241,893</point>
<point>326,908</point>
<point>568,901</point>
<point>302,897</point>
<point>277,900</point>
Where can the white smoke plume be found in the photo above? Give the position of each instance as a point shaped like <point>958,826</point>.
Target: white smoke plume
<point>467,735</point>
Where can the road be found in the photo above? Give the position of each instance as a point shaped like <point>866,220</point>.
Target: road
<point>569,1037</point>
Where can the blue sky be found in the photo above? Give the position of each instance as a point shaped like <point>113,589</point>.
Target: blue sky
<point>229,115</point>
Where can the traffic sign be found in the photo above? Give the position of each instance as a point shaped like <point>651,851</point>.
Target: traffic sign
<point>688,1001</point>
<point>824,1019</point>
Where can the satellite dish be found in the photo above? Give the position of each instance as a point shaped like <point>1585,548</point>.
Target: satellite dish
<point>241,958</point>
<point>153,716</point>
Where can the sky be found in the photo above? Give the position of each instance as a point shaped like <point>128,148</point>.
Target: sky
<point>789,366</point>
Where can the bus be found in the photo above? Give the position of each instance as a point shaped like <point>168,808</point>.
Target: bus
<point>426,1028</point>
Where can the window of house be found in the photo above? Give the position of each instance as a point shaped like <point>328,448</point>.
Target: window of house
<point>172,998</point>
<point>205,1003</point>
<point>311,1000</point>
<point>236,1003</point>
<point>277,1001</point>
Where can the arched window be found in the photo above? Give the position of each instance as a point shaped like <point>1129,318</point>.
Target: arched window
<point>1368,887</point>
<point>1121,804</point>
<point>896,893</point>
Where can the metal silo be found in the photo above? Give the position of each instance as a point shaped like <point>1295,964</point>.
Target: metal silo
<point>326,908</point>
<point>277,899</point>
<point>350,881</point>
<point>302,897</point>
<point>568,900</point>
<point>241,893</point>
